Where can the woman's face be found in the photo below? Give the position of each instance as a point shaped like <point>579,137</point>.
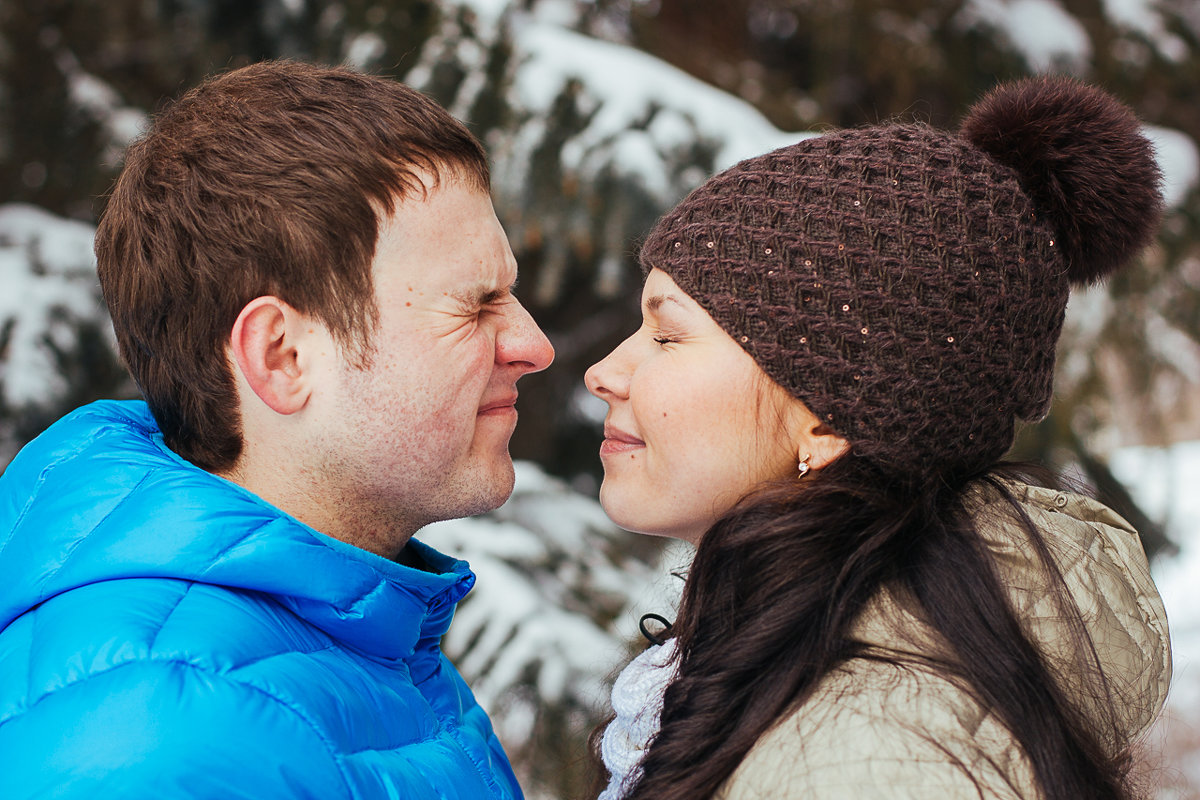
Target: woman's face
<point>693,422</point>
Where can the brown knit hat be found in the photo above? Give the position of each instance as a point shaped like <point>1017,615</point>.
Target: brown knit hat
<point>909,284</point>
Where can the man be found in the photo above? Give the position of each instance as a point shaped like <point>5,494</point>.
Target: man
<point>214,593</point>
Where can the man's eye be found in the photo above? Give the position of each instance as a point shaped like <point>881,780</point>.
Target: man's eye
<point>663,339</point>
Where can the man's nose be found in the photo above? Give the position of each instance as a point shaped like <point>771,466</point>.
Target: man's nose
<point>522,343</point>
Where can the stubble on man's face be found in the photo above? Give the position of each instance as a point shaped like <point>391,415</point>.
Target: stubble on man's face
<point>423,431</point>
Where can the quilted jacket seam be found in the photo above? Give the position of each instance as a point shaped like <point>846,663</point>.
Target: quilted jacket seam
<point>154,642</point>
<point>35,491</point>
<point>224,551</point>
<point>333,753</point>
<point>489,779</point>
<point>80,540</point>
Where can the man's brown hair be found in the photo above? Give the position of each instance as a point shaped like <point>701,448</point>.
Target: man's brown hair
<point>270,179</point>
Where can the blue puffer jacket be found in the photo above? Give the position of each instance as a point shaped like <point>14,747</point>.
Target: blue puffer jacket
<point>165,633</point>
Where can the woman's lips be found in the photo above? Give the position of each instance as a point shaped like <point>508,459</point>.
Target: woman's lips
<point>617,441</point>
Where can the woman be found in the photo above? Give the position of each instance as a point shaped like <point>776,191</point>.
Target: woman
<point>838,339</point>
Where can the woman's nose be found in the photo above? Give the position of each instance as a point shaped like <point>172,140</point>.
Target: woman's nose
<point>609,377</point>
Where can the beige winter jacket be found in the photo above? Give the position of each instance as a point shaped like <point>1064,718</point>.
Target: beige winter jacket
<point>879,731</point>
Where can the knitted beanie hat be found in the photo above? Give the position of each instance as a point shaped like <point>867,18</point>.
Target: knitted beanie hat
<point>909,284</point>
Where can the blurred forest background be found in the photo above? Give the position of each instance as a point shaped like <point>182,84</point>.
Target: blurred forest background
<point>598,116</point>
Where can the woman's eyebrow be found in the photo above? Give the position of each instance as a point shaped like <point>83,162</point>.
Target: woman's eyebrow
<point>654,302</point>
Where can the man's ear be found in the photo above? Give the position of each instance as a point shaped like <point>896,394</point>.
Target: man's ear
<point>267,343</point>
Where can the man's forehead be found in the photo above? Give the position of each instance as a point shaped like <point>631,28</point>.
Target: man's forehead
<point>449,243</point>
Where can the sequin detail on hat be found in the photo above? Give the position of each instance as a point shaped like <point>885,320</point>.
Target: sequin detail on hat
<point>882,239</point>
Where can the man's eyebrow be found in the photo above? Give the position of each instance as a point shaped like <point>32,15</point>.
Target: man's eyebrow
<point>654,302</point>
<point>482,294</point>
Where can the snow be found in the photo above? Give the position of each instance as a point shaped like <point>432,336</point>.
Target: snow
<point>586,406</point>
<point>1040,30</point>
<point>1089,310</point>
<point>49,276</point>
<point>1174,347</point>
<point>102,103</point>
<point>1144,17</point>
<point>1179,159</point>
<point>625,85</point>
<point>641,112</point>
<point>364,49</point>
<point>1049,38</point>
<point>489,11</point>
<point>1095,358</point>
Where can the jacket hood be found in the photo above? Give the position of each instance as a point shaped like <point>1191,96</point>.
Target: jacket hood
<point>1105,572</point>
<point>99,496</point>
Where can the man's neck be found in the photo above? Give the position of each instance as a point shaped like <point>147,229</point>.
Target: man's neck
<point>342,519</point>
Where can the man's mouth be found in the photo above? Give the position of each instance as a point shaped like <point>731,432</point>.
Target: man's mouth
<point>504,405</point>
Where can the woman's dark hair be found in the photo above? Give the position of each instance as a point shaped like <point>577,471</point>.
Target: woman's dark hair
<point>776,585</point>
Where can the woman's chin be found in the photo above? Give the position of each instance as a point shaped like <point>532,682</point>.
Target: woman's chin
<point>621,516</point>
<point>636,519</point>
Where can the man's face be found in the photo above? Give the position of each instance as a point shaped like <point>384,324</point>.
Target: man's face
<point>421,433</point>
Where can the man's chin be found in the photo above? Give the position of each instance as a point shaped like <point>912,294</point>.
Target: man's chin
<point>505,481</point>
<point>489,488</point>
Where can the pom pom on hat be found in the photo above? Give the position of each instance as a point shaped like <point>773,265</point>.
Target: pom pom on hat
<point>1081,157</point>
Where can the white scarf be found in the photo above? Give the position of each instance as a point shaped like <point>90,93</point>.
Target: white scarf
<point>637,699</point>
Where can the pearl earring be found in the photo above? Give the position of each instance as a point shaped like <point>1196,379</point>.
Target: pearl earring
<point>804,467</point>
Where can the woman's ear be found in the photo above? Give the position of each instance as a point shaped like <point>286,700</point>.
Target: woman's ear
<point>815,444</point>
<point>823,446</point>
<point>267,344</point>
